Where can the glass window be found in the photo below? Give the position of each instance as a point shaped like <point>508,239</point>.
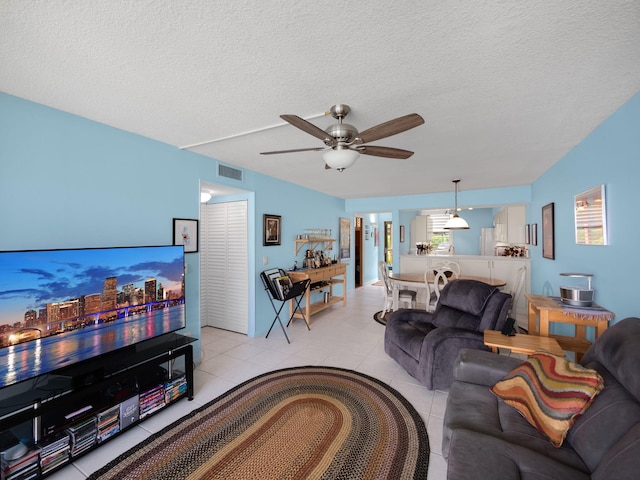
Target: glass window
<point>437,232</point>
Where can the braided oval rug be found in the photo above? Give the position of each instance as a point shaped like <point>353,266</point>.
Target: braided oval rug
<point>296,423</point>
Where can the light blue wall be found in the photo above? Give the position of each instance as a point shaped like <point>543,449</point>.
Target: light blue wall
<point>468,198</point>
<point>467,242</point>
<point>69,182</point>
<point>396,209</point>
<point>610,156</point>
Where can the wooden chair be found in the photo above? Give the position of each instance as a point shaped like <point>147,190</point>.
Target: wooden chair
<point>448,264</point>
<point>405,297</point>
<point>441,278</point>
<point>516,288</point>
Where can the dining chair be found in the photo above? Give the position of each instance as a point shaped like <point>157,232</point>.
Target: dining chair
<point>448,264</point>
<point>441,277</point>
<point>431,298</point>
<point>516,288</point>
<point>405,297</point>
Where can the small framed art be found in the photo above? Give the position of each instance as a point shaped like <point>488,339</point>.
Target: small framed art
<point>548,245</point>
<point>185,232</point>
<point>345,239</point>
<point>272,229</point>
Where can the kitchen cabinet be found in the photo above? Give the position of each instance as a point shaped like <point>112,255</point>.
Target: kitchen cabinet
<point>421,228</point>
<point>509,224</point>
<point>500,226</point>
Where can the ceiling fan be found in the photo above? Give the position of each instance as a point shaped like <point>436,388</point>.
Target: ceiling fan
<point>343,142</point>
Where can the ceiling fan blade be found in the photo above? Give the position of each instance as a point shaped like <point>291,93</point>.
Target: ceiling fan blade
<point>294,150</point>
<point>310,128</point>
<point>392,127</point>
<point>384,152</point>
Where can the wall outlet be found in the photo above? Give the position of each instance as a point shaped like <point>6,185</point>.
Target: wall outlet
<point>265,260</point>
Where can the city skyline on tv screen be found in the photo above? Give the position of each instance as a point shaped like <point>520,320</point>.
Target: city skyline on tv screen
<point>60,307</point>
<point>29,280</point>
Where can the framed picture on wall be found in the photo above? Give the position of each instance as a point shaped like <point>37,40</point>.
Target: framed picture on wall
<point>185,232</point>
<point>548,246</point>
<point>272,229</point>
<point>345,239</point>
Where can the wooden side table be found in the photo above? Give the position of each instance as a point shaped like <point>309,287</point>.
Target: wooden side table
<point>521,343</point>
<point>544,310</point>
<point>328,274</point>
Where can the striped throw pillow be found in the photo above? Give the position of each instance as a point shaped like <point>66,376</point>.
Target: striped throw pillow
<point>550,392</point>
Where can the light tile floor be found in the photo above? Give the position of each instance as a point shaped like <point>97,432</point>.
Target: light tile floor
<point>340,337</point>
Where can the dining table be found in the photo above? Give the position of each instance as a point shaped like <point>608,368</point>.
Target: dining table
<point>415,281</point>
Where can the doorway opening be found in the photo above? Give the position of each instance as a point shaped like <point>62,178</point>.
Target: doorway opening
<point>225,290</point>
<point>388,243</point>
<point>358,252</point>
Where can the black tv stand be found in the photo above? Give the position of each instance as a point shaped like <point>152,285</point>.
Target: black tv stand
<point>66,413</point>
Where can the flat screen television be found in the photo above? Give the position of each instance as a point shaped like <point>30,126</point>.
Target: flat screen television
<point>61,307</point>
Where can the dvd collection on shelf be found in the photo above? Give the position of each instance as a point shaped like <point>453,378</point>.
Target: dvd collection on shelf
<point>58,447</point>
<point>25,467</point>
<point>151,401</point>
<point>108,423</point>
<point>83,435</point>
<point>55,451</point>
<point>175,389</point>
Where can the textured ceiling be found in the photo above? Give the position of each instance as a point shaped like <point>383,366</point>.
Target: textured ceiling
<point>506,88</point>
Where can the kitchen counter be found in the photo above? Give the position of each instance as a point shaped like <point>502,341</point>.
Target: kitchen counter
<point>480,266</point>
<point>455,255</point>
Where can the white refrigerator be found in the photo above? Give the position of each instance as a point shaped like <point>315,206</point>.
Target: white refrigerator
<point>487,241</point>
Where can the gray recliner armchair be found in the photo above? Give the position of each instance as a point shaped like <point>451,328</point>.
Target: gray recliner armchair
<point>426,344</point>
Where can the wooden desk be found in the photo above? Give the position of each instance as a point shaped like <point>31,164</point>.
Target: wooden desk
<point>543,310</point>
<point>521,343</point>
<point>416,280</point>
<point>327,274</point>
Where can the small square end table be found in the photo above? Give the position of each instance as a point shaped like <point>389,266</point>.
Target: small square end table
<point>522,343</point>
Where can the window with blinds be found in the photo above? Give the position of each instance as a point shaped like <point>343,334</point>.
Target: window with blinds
<point>438,234</point>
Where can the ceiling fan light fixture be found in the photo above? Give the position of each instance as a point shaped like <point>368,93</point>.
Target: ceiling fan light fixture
<point>456,222</point>
<point>340,158</point>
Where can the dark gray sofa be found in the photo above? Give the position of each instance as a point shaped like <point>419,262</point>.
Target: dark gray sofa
<point>426,344</point>
<point>486,438</point>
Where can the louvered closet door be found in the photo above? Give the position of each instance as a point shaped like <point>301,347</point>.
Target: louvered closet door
<point>224,266</point>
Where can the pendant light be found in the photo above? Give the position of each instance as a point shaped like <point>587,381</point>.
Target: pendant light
<point>456,222</point>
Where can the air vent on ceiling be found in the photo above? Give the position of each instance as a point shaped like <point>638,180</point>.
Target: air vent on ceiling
<point>229,172</point>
